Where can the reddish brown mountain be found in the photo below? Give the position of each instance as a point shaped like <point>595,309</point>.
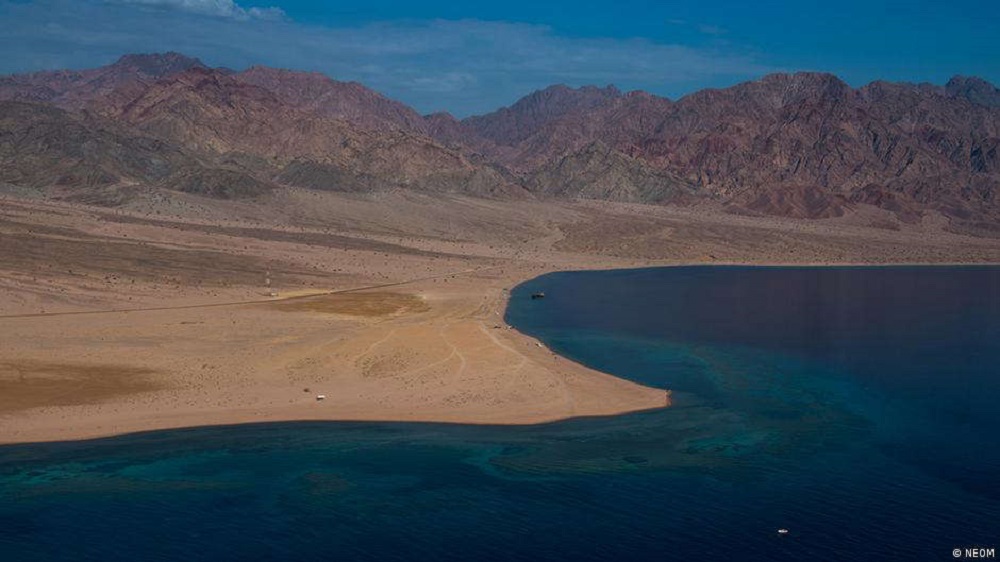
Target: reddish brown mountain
<point>976,90</point>
<point>510,126</point>
<point>805,145</point>
<point>228,123</point>
<point>74,89</point>
<point>77,156</point>
<point>316,93</point>
<point>597,171</point>
<point>802,145</point>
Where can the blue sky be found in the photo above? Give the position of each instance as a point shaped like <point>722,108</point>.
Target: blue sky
<point>468,57</point>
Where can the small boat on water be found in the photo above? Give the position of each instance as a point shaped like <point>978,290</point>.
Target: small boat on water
<point>536,296</point>
<point>782,531</point>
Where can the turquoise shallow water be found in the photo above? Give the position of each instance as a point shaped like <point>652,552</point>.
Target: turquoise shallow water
<point>854,406</point>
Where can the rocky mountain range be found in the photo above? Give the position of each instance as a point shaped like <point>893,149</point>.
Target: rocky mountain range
<point>800,145</point>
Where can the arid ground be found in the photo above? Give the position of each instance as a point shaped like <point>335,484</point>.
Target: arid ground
<point>174,310</point>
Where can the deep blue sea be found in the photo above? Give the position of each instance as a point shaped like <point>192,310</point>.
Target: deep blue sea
<point>857,407</point>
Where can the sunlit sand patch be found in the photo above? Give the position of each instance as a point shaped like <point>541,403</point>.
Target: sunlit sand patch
<point>356,304</point>
<point>299,293</point>
<point>33,384</point>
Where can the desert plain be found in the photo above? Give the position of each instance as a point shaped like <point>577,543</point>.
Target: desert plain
<point>174,310</point>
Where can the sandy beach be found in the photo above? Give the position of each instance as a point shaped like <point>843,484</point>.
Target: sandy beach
<point>185,312</point>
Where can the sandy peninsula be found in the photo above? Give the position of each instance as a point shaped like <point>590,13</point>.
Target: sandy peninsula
<point>177,311</point>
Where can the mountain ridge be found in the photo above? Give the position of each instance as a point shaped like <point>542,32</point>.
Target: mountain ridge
<point>803,145</point>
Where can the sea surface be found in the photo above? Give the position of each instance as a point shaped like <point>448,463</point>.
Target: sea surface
<point>859,408</point>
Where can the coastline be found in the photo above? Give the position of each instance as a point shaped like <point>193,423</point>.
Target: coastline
<point>549,388</point>
<point>163,321</point>
<point>582,392</point>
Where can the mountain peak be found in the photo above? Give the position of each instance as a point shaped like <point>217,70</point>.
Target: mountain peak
<point>562,98</point>
<point>823,81</point>
<point>796,144</point>
<point>974,89</point>
<point>515,123</point>
<point>157,64</point>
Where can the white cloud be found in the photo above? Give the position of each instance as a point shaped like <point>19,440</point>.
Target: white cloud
<point>711,29</point>
<point>462,66</point>
<point>446,82</point>
<point>218,8</point>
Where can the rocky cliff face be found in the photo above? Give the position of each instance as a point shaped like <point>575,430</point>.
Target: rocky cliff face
<point>513,125</point>
<point>229,123</point>
<point>801,145</point>
<point>597,171</point>
<point>349,101</point>
<point>75,89</point>
<point>48,147</point>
